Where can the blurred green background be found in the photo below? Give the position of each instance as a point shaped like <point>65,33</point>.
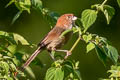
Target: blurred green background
<point>33,27</point>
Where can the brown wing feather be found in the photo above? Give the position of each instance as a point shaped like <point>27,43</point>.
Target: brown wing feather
<point>52,35</point>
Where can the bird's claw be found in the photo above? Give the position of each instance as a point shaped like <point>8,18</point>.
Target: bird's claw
<point>68,53</point>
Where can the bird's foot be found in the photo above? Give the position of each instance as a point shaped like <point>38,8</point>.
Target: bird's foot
<point>68,53</point>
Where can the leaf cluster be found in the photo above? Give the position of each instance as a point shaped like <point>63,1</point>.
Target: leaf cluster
<point>11,57</point>
<point>63,70</point>
<point>27,5</point>
<point>114,73</point>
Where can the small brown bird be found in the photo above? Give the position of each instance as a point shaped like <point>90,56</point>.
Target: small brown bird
<point>52,40</point>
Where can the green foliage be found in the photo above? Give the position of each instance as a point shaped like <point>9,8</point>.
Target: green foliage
<point>10,57</point>
<point>50,16</point>
<point>13,38</point>
<point>111,52</point>
<point>118,1</point>
<point>88,18</point>
<point>87,38</point>
<point>22,5</point>
<point>114,73</point>
<point>16,16</point>
<point>30,72</point>
<point>20,39</point>
<point>63,70</point>
<point>103,49</point>
<point>108,11</point>
<point>101,54</point>
<point>26,5</point>
<point>37,4</point>
<point>54,74</point>
<point>90,47</point>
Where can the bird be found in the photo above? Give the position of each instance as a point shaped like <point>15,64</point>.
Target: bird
<point>52,41</point>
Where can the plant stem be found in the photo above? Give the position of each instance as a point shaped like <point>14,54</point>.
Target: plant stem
<point>75,44</point>
<point>104,2</point>
<point>116,78</point>
<point>65,32</point>
<point>111,78</point>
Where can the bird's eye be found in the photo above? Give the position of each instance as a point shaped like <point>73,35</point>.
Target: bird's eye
<point>69,16</point>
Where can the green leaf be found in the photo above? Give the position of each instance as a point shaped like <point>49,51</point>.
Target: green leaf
<point>4,68</point>
<point>37,62</point>
<point>108,12</point>
<point>76,30</point>
<point>13,66</point>
<point>87,38</point>
<point>12,1</point>
<point>22,40</point>
<point>90,47</point>
<point>16,17</point>
<point>14,38</point>
<point>19,55</point>
<point>37,4</point>
<point>77,64</point>
<point>118,1</point>
<point>115,71</point>
<point>54,74</point>
<point>68,67</point>
<point>8,78</point>
<point>101,55</point>
<point>3,49</point>
<point>30,72</point>
<point>23,5</point>
<point>3,33</point>
<point>78,74</point>
<point>88,18</point>
<point>12,48</point>
<point>50,16</point>
<point>97,6</point>
<point>16,62</point>
<point>111,52</point>
<point>104,40</point>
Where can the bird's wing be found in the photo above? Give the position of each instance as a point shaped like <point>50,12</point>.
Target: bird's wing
<point>52,35</point>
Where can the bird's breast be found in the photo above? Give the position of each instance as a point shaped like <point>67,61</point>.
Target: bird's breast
<point>59,42</point>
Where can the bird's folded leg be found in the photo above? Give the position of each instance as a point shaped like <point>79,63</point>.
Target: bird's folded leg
<point>52,55</point>
<point>68,53</point>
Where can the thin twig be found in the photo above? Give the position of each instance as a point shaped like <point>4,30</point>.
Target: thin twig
<point>104,2</point>
<point>75,44</point>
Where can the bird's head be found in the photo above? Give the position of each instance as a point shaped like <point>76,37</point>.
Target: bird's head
<point>66,21</point>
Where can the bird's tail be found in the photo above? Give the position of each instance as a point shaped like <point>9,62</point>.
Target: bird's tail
<point>30,59</point>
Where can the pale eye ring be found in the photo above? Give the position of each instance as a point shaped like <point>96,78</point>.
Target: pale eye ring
<point>69,17</point>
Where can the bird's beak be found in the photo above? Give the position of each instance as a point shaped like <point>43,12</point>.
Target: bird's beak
<point>74,18</point>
